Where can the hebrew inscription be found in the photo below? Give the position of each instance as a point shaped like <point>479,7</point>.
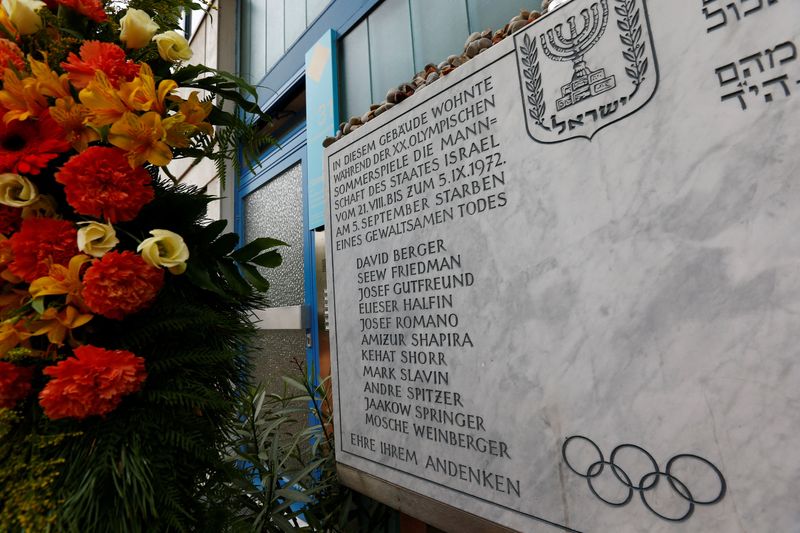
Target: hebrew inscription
<point>564,46</point>
<point>719,13</point>
<point>771,74</point>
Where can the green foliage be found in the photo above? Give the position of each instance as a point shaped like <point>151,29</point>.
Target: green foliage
<point>156,463</point>
<point>287,468</point>
<point>167,13</point>
<point>238,138</point>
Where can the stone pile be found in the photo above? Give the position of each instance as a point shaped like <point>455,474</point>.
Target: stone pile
<point>476,44</point>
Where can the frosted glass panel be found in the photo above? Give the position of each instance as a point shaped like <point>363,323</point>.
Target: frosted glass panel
<point>355,72</point>
<point>295,17</point>
<point>494,15</point>
<point>435,39</point>
<point>391,57</point>
<point>275,45</point>
<point>276,210</point>
<point>272,354</point>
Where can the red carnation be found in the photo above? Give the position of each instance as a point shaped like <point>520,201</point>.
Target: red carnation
<point>15,384</point>
<point>91,383</point>
<point>96,55</point>
<point>10,219</point>
<point>10,57</point>
<point>99,182</point>
<point>26,147</point>
<point>121,283</point>
<point>39,243</point>
<point>92,9</point>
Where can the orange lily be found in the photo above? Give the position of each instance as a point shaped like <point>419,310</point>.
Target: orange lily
<point>178,130</point>
<point>21,97</point>
<point>5,22</point>
<point>12,334</point>
<point>196,112</point>
<point>72,116</point>
<point>6,257</point>
<point>62,280</point>
<point>140,94</point>
<point>48,82</point>
<point>103,102</point>
<point>143,137</point>
<point>56,324</point>
<point>12,301</point>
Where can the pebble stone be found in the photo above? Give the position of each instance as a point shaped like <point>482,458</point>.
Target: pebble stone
<point>477,43</point>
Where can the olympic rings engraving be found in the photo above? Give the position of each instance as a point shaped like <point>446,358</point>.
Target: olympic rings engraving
<point>648,481</point>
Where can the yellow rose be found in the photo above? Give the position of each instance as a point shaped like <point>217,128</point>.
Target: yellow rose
<point>95,238</point>
<point>165,249</point>
<point>137,29</point>
<point>16,191</point>
<point>23,15</point>
<point>172,46</point>
<point>45,206</point>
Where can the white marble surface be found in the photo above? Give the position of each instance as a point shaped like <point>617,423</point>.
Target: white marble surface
<point>642,287</point>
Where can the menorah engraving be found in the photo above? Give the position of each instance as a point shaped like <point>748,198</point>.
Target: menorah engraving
<point>585,82</point>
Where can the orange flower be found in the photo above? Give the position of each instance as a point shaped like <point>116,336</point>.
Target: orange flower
<point>143,138</point>
<point>6,258</point>
<point>28,146</point>
<point>41,243</point>
<point>91,383</point>
<point>101,183</point>
<point>56,324</point>
<point>91,9</point>
<point>102,100</point>
<point>71,116</point>
<point>141,93</point>
<point>94,56</point>
<point>62,280</point>
<point>12,301</point>
<point>178,130</point>
<point>6,24</point>
<point>121,283</point>
<point>10,56</point>
<point>21,97</point>
<point>48,82</point>
<point>12,334</point>
<point>196,112</point>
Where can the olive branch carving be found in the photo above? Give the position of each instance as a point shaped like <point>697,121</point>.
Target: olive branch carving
<point>532,73</point>
<point>631,36</point>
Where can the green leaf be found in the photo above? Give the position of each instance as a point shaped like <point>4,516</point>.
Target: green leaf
<point>252,249</point>
<point>254,277</point>
<point>271,259</point>
<point>199,276</point>
<point>298,477</point>
<point>38,305</point>
<point>294,383</point>
<point>233,277</point>
<point>218,117</point>
<point>213,230</point>
<point>293,495</point>
<point>225,244</point>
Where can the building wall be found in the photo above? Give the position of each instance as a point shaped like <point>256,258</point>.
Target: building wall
<point>399,37</point>
<point>212,38</point>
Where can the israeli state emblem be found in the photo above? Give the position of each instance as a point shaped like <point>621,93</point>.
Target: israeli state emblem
<point>585,66</point>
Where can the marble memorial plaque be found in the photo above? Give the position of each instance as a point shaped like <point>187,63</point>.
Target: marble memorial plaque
<point>564,280</point>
